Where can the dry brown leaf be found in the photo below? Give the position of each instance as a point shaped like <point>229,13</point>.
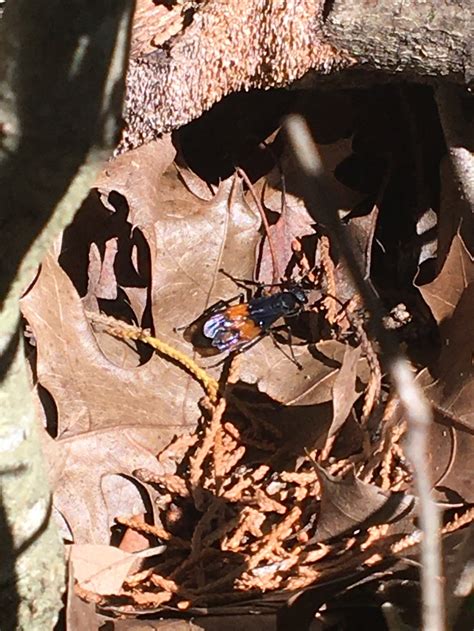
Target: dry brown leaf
<point>79,614</point>
<point>99,568</point>
<point>450,447</point>
<point>444,292</point>
<point>276,376</point>
<point>88,495</point>
<point>101,274</point>
<point>449,383</point>
<point>111,420</point>
<point>190,239</point>
<point>90,391</point>
<point>361,231</point>
<point>189,245</point>
<point>454,369</point>
<point>452,436</point>
<point>295,220</point>
<point>345,504</point>
<point>344,392</point>
<point>139,176</point>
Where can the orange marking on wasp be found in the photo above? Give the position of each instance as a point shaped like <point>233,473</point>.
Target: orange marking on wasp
<point>238,311</point>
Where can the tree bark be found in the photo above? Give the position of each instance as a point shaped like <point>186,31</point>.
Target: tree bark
<point>244,44</point>
<point>229,46</point>
<point>62,71</point>
<point>407,38</point>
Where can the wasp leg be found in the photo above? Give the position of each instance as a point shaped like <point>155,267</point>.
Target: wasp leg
<point>291,356</point>
<point>271,332</point>
<point>244,347</point>
<point>220,362</point>
<point>243,282</point>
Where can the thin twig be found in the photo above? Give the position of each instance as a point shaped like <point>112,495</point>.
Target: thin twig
<point>417,409</point>
<point>276,277</point>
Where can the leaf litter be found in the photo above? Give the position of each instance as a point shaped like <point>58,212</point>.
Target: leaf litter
<point>284,478</point>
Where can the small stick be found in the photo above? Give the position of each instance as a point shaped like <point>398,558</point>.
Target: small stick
<point>266,225</point>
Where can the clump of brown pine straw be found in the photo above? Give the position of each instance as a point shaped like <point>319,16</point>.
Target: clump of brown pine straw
<point>235,530</point>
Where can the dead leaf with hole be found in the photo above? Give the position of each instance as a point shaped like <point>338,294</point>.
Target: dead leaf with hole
<point>187,240</point>
<point>111,420</point>
<point>190,238</point>
<point>91,392</point>
<point>95,393</point>
<point>86,257</point>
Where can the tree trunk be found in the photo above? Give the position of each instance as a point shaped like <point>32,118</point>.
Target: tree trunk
<point>61,90</point>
